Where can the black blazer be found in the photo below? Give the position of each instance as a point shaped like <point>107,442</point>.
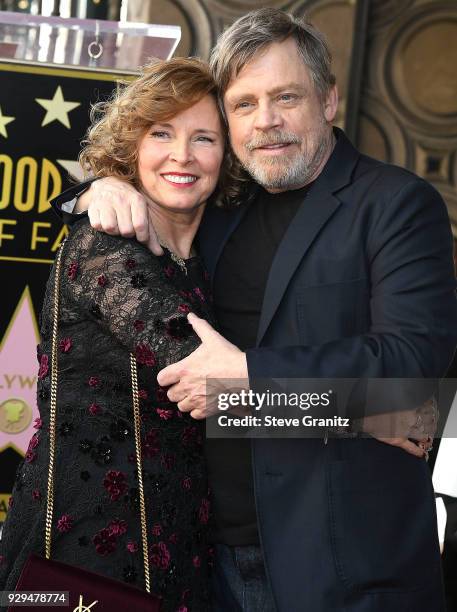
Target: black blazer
<point>362,285</point>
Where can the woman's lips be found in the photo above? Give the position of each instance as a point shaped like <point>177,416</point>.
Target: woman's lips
<point>180,180</point>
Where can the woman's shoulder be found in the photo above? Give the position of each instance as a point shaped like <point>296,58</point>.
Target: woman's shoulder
<point>85,241</point>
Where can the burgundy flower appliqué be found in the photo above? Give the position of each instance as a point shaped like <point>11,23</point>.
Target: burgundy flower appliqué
<point>117,527</point>
<point>44,366</point>
<point>144,355</point>
<point>132,547</point>
<point>203,512</point>
<point>95,409</point>
<point>115,483</point>
<point>151,445</point>
<point>156,529</point>
<point>65,523</point>
<point>94,382</point>
<point>105,543</point>
<point>166,415</point>
<point>65,345</point>
<point>72,270</point>
<point>30,456</point>
<point>160,555</point>
<point>184,309</point>
<point>199,293</point>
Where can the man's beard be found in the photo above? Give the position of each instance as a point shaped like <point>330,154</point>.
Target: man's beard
<point>283,172</point>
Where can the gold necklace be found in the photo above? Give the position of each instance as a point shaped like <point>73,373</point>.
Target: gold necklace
<point>176,258</point>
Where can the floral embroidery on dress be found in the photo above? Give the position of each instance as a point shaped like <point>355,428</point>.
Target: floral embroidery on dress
<point>65,523</point>
<point>117,298</point>
<point>73,270</point>
<point>115,483</point>
<point>44,366</point>
<point>144,355</point>
<point>65,345</point>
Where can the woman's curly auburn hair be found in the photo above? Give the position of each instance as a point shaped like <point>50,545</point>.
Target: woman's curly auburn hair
<point>164,89</point>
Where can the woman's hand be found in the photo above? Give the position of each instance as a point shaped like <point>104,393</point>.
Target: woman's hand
<point>411,430</point>
<point>115,207</point>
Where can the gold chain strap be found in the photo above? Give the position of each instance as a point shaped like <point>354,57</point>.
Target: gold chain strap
<point>139,467</point>
<point>52,434</point>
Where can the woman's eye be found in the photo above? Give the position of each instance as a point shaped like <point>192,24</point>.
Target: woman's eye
<point>204,139</point>
<point>159,134</point>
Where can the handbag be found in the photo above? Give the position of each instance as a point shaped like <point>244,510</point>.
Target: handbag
<point>87,590</point>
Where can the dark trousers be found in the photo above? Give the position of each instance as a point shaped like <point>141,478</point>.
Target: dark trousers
<point>239,583</point>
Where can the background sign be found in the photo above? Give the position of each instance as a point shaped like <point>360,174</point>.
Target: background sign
<point>44,114</point>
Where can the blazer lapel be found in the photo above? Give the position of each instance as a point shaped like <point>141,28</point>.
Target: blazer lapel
<point>215,229</point>
<point>317,208</point>
<point>312,215</point>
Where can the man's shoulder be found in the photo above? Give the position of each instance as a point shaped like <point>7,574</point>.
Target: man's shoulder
<point>385,177</point>
<point>388,185</point>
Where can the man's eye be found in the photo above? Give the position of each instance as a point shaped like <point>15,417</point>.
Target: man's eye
<point>287,97</point>
<point>242,105</point>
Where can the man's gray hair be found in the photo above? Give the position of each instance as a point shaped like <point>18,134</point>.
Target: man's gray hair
<point>258,29</point>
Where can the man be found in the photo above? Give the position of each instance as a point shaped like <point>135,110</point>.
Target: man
<point>339,266</point>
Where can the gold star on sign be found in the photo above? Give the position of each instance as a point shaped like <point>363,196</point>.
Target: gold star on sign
<point>57,108</point>
<point>4,120</point>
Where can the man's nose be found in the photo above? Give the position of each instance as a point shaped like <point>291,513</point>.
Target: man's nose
<point>267,117</point>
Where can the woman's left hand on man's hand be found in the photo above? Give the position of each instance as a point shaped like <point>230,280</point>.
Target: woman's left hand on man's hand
<point>196,381</point>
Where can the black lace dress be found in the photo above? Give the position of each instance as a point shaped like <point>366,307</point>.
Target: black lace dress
<point>117,297</point>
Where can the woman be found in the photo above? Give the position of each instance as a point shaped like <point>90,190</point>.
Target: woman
<point>164,134</point>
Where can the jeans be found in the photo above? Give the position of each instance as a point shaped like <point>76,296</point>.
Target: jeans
<point>239,582</point>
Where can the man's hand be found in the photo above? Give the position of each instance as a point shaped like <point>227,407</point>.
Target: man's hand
<point>215,359</point>
<point>402,429</point>
<point>115,207</point>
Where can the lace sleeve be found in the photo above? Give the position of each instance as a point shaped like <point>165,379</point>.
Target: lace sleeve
<point>125,288</point>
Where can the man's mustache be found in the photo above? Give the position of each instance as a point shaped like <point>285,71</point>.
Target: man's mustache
<point>272,138</point>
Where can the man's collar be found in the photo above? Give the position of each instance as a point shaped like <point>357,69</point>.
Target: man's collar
<point>338,170</point>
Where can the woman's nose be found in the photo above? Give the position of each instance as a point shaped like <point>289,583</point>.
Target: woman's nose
<point>181,152</point>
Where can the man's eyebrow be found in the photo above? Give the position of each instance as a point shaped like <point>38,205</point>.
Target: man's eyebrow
<point>292,85</point>
<point>299,87</point>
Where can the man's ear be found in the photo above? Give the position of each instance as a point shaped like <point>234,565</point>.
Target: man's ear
<point>331,104</point>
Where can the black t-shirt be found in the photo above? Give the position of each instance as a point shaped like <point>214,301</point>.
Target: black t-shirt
<point>239,286</point>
